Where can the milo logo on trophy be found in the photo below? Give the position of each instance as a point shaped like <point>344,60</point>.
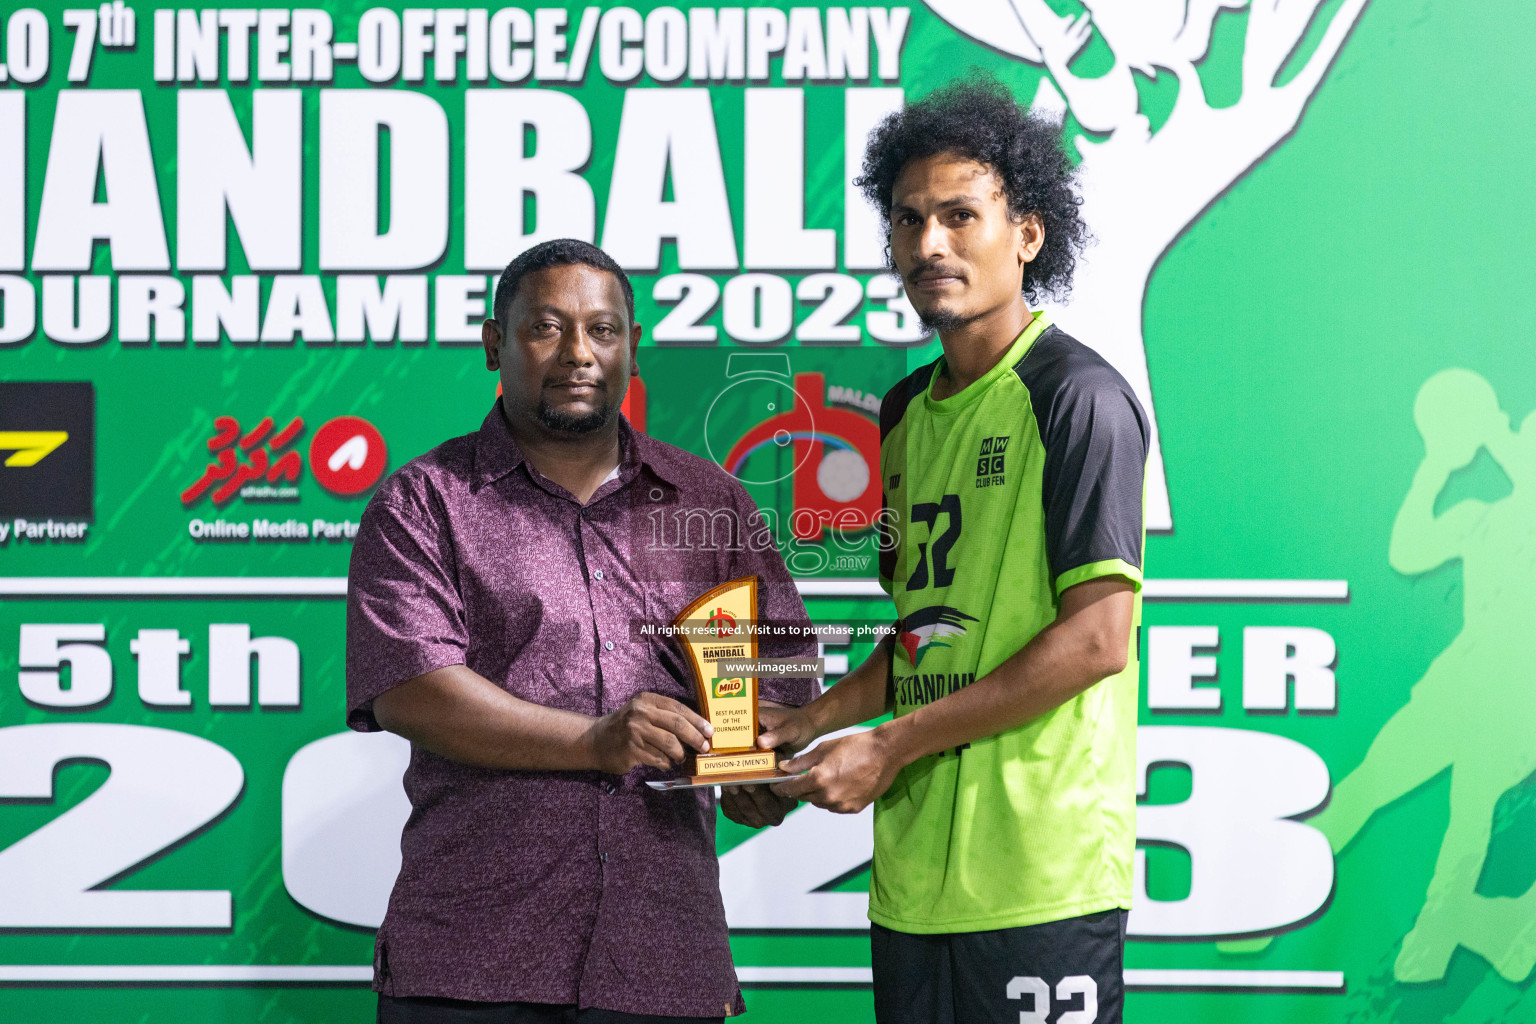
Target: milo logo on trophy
<point>716,628</point>
<point>730,687</point>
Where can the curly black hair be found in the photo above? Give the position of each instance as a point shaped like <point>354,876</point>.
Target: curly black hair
<point>978,118</point>
<point>557,252</point>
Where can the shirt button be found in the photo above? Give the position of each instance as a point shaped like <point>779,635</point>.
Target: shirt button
<point>603,857</point>
<point>598,574</point>
<point>610,788</point>
<point>608,645</point>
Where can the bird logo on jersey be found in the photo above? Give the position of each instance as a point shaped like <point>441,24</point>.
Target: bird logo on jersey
<point>929,627</point>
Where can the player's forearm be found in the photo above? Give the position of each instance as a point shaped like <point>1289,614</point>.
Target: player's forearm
<point>1049,671</point>
<point>458,714</point>
<point>1088,642</point>
<point>857,697</point>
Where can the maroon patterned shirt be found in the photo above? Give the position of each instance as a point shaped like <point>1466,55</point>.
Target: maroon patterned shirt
<point>539,886</point>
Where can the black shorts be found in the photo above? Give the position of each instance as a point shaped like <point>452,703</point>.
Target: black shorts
<point>1061,972</point>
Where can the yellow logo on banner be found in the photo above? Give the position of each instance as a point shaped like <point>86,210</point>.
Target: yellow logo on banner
<point>30,446</point>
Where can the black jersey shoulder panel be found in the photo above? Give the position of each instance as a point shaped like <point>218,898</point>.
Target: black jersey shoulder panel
<point>1096,437</point>
<point>892,409</point>
<point>894,406</point>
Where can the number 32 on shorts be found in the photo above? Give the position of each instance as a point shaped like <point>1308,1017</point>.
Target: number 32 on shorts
<point>1038,994</point>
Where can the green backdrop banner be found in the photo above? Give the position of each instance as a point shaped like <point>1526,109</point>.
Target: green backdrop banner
<point>243,258</point>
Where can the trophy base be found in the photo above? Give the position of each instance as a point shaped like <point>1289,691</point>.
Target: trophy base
<point>735,765</point>
<point>740,778</point>
<point>723,779</point>
<point>728,770</point>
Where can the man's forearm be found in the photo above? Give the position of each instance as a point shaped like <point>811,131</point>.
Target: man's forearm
<point>859,696</point>
<point>1064,659</point>
<point>458,714</point>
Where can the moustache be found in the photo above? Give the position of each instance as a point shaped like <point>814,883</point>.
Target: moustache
<point>925,271</point>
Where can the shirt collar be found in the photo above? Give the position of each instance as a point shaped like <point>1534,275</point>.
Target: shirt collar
<point>497,452</point>
<point>1038,324</point>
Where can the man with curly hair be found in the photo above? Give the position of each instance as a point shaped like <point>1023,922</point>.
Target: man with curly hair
<point>1013,470</point>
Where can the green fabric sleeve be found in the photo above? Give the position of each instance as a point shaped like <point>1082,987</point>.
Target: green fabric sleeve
<point>1093,570</point>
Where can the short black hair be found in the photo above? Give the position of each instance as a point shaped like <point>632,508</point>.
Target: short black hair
<point>979,119</point>
<point>557,252</point>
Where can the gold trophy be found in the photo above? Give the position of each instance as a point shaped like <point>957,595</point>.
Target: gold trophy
<point>714,628</point>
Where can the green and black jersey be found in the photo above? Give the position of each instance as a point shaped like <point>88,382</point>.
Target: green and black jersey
<point>1000,497</point>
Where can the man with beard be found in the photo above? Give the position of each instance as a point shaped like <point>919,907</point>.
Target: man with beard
<point>494,593</point>
<point>1013,470</point>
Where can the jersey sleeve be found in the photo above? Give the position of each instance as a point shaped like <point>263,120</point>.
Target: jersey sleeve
<point>893,464</point>
<point>1096,439</point>
<point>886,534</point>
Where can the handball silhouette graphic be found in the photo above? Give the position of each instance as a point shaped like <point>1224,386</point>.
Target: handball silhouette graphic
<point>1142,190</point>
<point>1471,711</point>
